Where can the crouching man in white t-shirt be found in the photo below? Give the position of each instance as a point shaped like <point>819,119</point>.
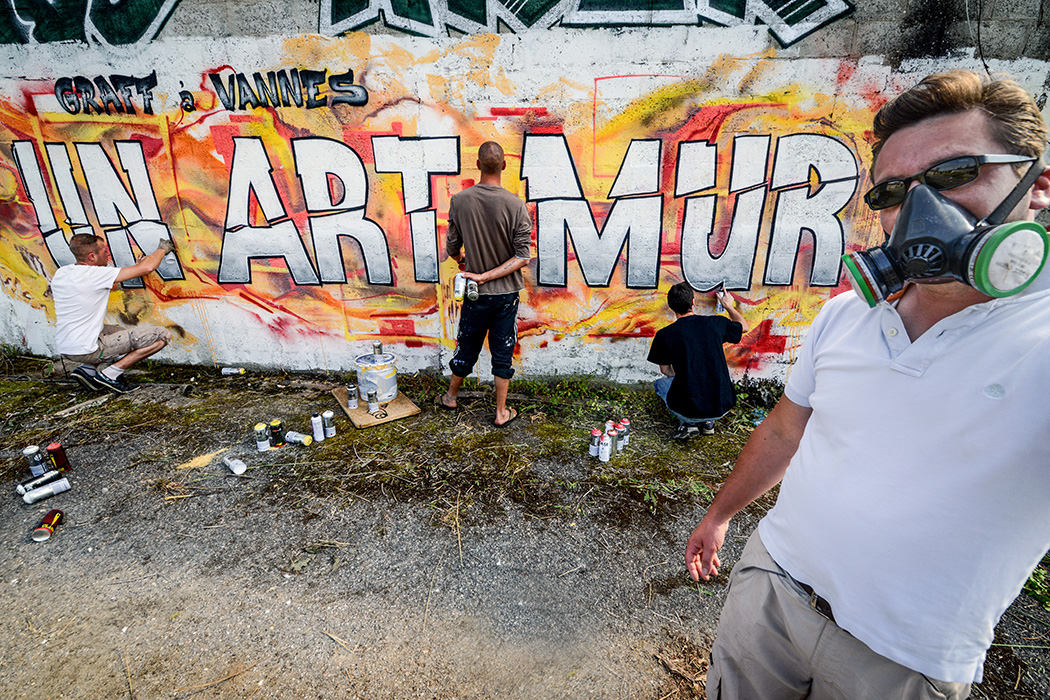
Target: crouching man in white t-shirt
<point>81,294</point>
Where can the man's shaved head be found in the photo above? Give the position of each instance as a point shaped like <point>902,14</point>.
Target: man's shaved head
<point>490,158</point>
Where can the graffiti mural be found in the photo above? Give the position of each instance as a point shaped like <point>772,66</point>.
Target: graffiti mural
<point>104,22</point>
<point>308,205</point>
<point>788,22</point>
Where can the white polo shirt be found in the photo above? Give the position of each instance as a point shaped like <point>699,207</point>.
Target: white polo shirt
<point>918,501</point>
<point>81,294</point>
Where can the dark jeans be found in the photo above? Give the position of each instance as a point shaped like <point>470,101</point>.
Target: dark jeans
<point>495,315</point>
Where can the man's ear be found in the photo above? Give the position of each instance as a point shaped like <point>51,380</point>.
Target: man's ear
<point>1040,198</point>
<point>504,167</point>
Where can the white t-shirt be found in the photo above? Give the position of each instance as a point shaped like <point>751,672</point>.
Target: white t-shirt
<point>81,294</point>
<point>918,501</point>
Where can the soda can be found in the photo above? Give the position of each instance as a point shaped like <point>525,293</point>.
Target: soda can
<point>621,438</point>
<point>626,423</point>
<point>328,420</point>
<point>262,437</point>
<point>377,349</point>
<point>614,438</point>
<point>236,466</point>
<point>277,433</point>
<point>230,371</point>
<point>35,459</point>
<point>57,453</point>
<point>604,448</point>
<point>472,290</point>
<point>299,438</point>
<point>317,427</point>
<point>373,401</point>
<point>459,287</point>
<point>30,484</point>
<point>596,439</point>
<point>46,491</point>
<point>47,526</point>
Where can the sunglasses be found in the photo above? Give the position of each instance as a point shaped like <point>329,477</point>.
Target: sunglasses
<point>942,176</point>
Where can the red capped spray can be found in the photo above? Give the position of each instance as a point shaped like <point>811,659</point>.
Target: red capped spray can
<point>57,453</point>
<point>47,526</point>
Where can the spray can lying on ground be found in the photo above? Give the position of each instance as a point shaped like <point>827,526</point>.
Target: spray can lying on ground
<point>236,466</point>
<point>299,438</point>
<point>230,371</point>
<point>47,526</point>
<point>46,491</point>
<point>38,481</point>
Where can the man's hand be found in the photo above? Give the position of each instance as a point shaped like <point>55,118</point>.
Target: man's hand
<point>165,245</point>
<point>473,276</point>
<point>701,554</point>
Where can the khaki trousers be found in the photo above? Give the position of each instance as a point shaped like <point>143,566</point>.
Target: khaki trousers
<point>771,645</point>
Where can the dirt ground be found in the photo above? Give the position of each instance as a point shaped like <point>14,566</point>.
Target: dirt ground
<point>432,557</point>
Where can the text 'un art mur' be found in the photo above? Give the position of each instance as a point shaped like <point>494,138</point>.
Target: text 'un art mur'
<point>305,184</point>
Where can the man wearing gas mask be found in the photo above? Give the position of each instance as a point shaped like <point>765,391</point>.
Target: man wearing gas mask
<point>913,437</point>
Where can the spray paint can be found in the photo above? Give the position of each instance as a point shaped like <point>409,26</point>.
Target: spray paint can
<point>718,302</point>
<point>30,484</point>
<point>604,448</point>
<point>57,453</point>
<point>373,401</point>
<point>47,526</point>
<point>377,349</point>
<point>262,437</point>
<point>35,459</point>
<point>596,439</point>
<point>317,427</point>
<point>351,396</point>
<point>236,466</point>
<point>328,421</point>
<point>459,287</point>
<point>230,371</point>
<point>614,438</point>
<point>621,438</point>
<point>46,491</point>
<point>277,433</point>
<point>299,438</point>
<point>609,425</point>
<point>472,290</point>
<point>626,423</point>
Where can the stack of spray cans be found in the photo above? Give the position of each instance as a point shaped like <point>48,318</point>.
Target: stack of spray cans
<point>610,442</point>
<point>47,468</point>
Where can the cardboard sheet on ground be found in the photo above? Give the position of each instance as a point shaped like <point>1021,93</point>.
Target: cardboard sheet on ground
<point>399,408</point>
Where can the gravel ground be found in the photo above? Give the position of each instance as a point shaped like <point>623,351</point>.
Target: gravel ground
<point>172,577</point>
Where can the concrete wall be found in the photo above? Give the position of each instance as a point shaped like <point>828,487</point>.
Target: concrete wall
<point>304,177</point>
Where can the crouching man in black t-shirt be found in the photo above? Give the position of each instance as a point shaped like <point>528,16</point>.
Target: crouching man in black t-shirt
<point>696,385</point>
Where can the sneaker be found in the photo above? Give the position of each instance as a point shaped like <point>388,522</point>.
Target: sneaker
<point>685,432</point>
<point>120,385</point>
<point>87,377</point>
<point>707,427</point>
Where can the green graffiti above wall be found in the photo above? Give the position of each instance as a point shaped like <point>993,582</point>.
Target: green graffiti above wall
<point>107,22</point>
<point>788,20</point>
<point>133,21</point>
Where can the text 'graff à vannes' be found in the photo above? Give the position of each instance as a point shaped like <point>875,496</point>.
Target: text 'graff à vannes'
<point>782,187</point>
<point>125,94</point>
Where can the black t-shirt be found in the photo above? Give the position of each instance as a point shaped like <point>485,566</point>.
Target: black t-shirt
<point>692,346</point>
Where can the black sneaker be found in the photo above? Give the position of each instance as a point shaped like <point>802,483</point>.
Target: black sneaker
<point>685,432</point>
<point>87,377</point>
<point>707,427</point>
<point>120,385</point>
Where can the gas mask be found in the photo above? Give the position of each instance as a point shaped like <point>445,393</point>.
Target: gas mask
<point>936,240</point>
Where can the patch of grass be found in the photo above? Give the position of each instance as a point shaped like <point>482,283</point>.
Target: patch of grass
<point>1038,584</point>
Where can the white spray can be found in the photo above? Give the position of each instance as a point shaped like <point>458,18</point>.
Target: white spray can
<point>317,426</point>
